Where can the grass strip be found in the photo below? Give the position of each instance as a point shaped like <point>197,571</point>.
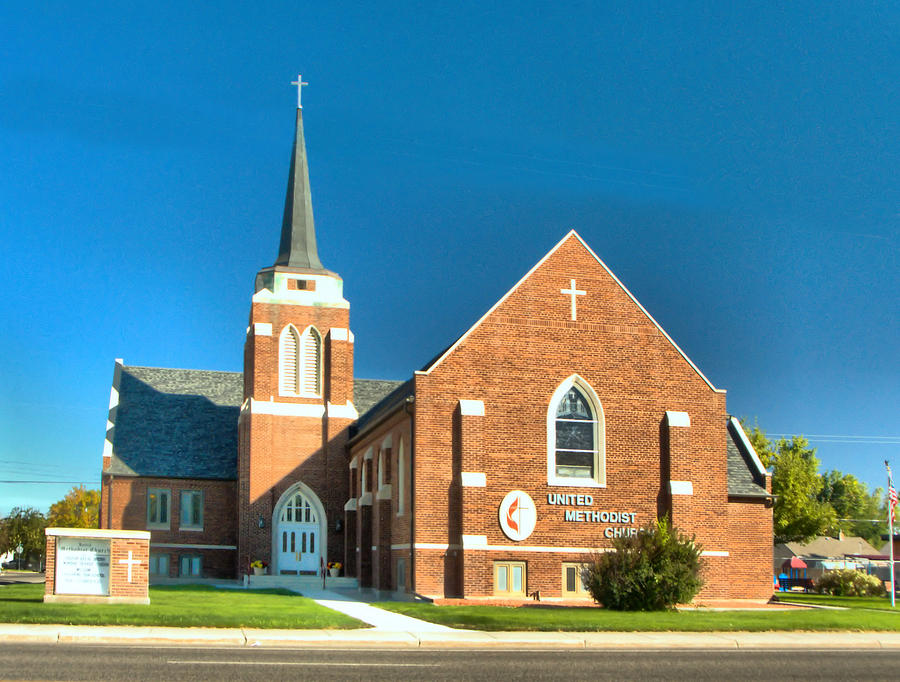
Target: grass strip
<point>876,603</point>
<point>593,619</point>
<point>180,606</point>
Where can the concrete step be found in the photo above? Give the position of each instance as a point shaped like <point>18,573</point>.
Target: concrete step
<point>301,582</point>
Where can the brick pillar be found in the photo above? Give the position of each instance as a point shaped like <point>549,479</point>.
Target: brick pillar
<point>680,484</point>
<point>473,481</point>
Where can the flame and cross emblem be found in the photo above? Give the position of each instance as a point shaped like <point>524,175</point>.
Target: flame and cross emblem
<point>518,515</point>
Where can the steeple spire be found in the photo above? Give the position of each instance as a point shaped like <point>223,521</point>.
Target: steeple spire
<point>298,231</point>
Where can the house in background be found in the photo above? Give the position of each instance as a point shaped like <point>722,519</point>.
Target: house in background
<point>822,554</point>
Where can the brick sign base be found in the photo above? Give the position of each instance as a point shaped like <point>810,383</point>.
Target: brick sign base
<point>91,566</point>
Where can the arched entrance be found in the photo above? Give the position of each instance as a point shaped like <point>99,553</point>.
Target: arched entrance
<point>299,537</point>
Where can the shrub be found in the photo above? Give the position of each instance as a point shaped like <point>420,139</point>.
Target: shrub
<point>846,582</point>
<point>653,570</point>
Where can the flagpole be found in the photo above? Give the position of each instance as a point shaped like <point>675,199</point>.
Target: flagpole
<point>890,506</point>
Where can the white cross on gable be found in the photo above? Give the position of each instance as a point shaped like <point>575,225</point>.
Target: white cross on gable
<point>573,292</point>
<point>299,83</point>
<point>131,562</point>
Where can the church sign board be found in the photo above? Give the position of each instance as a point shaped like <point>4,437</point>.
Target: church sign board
<point>87,565</point>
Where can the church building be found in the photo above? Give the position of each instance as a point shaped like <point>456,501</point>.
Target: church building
<point>564,418</point>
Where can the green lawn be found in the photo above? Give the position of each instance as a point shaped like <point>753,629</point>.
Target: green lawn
<point>879,603</point>
<point>179,606</point>
<point>592,619</point>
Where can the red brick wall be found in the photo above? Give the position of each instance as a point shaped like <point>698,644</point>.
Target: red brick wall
<point>513,361</point>
<point>749,565</point>
<point>275,451</point>
<point>129,512</point>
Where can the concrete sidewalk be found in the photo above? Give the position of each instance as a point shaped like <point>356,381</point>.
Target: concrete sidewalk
<point>380,638</point>
<point>379,619</point>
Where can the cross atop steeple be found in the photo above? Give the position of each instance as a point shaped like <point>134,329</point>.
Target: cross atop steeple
<point>299,83</point>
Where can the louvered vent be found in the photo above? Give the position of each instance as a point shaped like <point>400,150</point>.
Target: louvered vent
<point>311,349</point>
<point>287,366</point>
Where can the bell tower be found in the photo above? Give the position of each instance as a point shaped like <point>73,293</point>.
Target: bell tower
<point>298,398</point>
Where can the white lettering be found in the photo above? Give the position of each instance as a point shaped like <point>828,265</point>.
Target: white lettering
<point>570,514</point>
<point>607,532</point>
<point>579,515</point>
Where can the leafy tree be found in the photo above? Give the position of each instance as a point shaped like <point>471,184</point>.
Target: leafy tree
<point>854,506</point>
<point>653,570</point>
<point>799,514</point>
<point>80,508</point>
<point>25,527</point>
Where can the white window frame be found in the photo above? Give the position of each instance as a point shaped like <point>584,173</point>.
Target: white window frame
<point>599,478</point>
<point>190,526</point>
<point>155,561</point>
<point>401,480</point>
<point>192,558</point>
<point>509,566</point>
<point>156,523</point>
<point>580,590</point>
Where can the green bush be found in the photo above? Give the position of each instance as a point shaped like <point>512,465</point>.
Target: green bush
<point>846,582</point>
<point>651,571</point>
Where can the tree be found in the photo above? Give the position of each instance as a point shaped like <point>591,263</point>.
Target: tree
<point>799,514</point>
<point>80,508</point>
<point>858,511</point>
<point>25,527</point>
<point>655,569</point>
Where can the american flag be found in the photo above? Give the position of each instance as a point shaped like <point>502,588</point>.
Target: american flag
<point>892,497</point>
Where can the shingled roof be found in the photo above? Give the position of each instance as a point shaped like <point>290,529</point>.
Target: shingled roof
<point>746,477</point>
<point>177,423</point>
<point>182,423</point>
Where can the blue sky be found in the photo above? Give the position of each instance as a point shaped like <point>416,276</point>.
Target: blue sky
<point>735,164</point>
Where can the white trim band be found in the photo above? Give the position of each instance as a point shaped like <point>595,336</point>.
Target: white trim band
<point>98,533</point>
<point>170,545</point>
<point>286,409</point>
<point>473,479</point>
<point>471,408</point>
<point>678,418</point>
<point>262,329</point>
<point>681,487</point>
<point>347,411</point>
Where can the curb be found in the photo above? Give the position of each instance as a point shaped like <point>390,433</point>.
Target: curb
<point>375,638</point>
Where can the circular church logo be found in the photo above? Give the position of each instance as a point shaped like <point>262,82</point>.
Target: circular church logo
<point>518,515</point>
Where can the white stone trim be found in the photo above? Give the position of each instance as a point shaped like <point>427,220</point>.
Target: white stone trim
<point>472,541</point>
<point>678,418</point>
<point>286,409</point>
<point>384,492</point>
<point>402,545</point>
<point>173,545</point>
<point>714,552</point>
<point>681,487</point>
<point>350,505</point>
<point>328,292</point>
<point>515,548</point>
<point>436,545</point>
<point>354,463</point>
<point>473,479</point>
<point>365,500</point>
<point>262,329</point>
<point>347,411</point>
<point>113,410</point>
<point>369,453</point>
<point>572,233</point>
<point>747,444</point>
<point>339,333</point>
<point>111,533</point>
<point>471,408</point>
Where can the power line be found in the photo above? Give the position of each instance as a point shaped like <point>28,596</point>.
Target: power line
<point>72,482</point>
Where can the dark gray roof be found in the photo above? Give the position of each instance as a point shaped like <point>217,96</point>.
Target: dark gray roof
<point>177,423</point>
<point>390,402</point>
<point>744,478</point>
<point>298,231</point>
<point>369,392</point>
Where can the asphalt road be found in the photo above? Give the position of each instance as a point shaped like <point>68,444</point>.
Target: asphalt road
<point>85,662</point>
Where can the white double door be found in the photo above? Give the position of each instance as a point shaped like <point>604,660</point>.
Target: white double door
<point>298,545</point>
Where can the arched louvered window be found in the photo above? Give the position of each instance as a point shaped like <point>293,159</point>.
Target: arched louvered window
<point>288,373</point>
<point>300,362</point>
<point>311,362</point>
<point>576,436</point>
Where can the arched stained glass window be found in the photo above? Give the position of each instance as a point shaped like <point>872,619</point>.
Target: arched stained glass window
<point>576,446</point>
<point>298,510</point>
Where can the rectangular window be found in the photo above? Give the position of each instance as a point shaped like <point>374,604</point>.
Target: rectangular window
<point>401,575</point>
<point>509,578</point>
<point>191,510</point>
<point>572,582</point>
<point>157,508</point>
<point>159,565</point>
<point>189,566</point>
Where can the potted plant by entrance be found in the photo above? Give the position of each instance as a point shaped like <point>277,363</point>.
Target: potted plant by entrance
<point>334,568</point>
<point>259,567</point>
